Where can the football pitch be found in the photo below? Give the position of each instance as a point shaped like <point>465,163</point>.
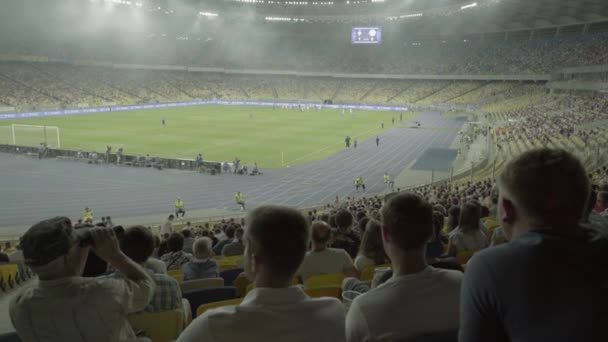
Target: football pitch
<point>273,138</point>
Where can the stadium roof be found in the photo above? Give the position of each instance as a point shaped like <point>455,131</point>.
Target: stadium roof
<point>421,16</point>
<point>536,14</point>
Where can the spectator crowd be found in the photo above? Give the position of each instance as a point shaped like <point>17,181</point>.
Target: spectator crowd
<point>516,259</point>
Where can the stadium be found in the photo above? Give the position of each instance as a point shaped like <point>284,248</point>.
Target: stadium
<point>200,126</point>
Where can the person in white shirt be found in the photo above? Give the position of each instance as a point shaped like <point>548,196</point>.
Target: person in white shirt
<point>276,239</point>
<point>468,236</point>
<point>324,260</point>
<point>63,306</point>
<point>418,299</point>
<point>371,252</point>
<point>167,227</point>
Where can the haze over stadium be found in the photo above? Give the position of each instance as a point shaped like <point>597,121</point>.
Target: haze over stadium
<point>119,112</point>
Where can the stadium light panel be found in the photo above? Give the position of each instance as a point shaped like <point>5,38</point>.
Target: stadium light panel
<point>411,15</point>
<point>474,4</point>
<point>277,19</point>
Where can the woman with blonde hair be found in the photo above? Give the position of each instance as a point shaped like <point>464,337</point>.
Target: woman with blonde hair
<point>371,250</point>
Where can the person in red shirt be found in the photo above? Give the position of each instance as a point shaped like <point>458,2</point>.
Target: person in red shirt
<point>602,202</point>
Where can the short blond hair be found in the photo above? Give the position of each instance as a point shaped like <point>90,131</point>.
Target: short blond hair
<point>550,186</point>
<point>202,248</point>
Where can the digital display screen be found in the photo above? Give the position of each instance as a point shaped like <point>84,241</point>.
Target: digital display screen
<point>366,35</point>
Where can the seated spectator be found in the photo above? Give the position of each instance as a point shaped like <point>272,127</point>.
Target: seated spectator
<point>276,239</point>
<point>208,234</point>
<point>434,248</point>
<point>593,219</point>
<point>16,256</point>
<point>362,224</point>
<point>4,257</point>
<point>167,227</point>
<point>63,306</point>
<point>453,217</point>
<point>176,257</point>
<point>202,265</point>
<point>229,237</point>
<point>468,236</point>
<point>418,299</point>
<point>498,237</point>
<point>156,265</point>
<point>346,238</point>
<point>323,260</point>
<point>371,252</point>
<point>138,244</point>
<point>236,247</point>
<point>602,202</point>
<point>546,284</point>
<point>188,240</point>
<point>163,246</point>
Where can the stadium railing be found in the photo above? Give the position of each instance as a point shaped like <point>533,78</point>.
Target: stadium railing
<point>129,160</point>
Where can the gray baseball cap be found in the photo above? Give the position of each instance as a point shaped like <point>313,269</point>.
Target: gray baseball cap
<point>48,240</point>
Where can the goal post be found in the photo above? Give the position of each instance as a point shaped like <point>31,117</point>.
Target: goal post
<point>33,135</point>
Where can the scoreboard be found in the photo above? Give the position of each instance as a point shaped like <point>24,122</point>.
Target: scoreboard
<point>366,35</point>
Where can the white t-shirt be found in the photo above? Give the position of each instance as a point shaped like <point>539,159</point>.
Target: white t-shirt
<point>473,240</point>
<point>330,260</point>
<point>167,228</point>
<point>156,265</point>
<point>361,262</point>
<point>285,314</point>
<point>406,306</point>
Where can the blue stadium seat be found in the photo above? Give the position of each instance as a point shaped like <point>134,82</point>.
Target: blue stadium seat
<point>10,337</point>
<point>230,275</point>
<point>204,296</point>
<point>440,336</point>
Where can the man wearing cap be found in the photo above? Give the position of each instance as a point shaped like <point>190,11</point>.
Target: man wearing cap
<point>63,306</point>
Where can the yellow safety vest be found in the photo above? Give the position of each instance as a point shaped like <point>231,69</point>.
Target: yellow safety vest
<point>179,204</point>
<point>239,197</point>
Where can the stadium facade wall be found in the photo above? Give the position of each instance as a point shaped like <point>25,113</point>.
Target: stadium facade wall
<point>469,77</point>
<point>96,110</point>
<point>579,85</point>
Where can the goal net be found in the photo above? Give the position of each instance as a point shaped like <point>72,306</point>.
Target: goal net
<point>31,135</point>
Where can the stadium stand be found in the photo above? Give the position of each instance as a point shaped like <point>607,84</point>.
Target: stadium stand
<point>512,248</point>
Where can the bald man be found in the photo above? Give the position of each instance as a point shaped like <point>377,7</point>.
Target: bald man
<point>324,260</point>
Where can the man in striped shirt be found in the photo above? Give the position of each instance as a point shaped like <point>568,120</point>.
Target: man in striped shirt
<point>138,244</point>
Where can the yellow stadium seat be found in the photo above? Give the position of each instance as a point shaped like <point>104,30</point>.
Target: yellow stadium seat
<point>198,284</point>
<point>323,280</point>
<point>225,267</point>
<point>491,224</point>
<point>231,260</point>
<point>241,283</point>
<point>327,291</point>
<point>177,274</point>
<point>250,286</point>
<point>8,275</point>
<point>464,256</point>
<point>204,307</point>
<point>163,326</point>
<point>174,272</point>
<point>368,273</point>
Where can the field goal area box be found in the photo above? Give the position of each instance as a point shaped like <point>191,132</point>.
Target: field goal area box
<point>30,135</point>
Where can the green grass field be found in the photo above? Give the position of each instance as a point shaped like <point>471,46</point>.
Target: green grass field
<point>219,132</point>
